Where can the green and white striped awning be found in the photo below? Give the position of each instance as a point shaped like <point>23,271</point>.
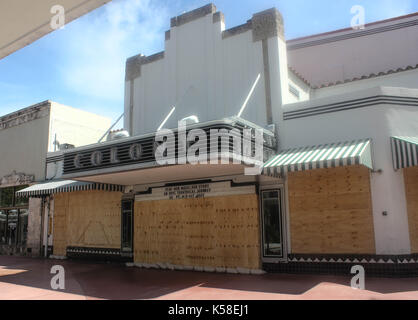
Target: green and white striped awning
<point>59,186</point>
<point>322,156</point>
<point>404,152</point>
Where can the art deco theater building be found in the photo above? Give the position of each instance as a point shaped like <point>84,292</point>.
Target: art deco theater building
<point>338,116</point>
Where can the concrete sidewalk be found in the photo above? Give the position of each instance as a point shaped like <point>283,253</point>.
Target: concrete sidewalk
<point>26,278</point>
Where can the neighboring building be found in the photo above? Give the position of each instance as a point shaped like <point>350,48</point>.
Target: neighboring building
<point>26,136</point>
<point>339,113</point>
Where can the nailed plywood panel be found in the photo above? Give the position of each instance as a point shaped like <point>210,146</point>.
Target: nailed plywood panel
<point>331,211</point>
<point>212,232</point>
<point>87,219</point>
<point>411,191</point>
<point>60,229</point>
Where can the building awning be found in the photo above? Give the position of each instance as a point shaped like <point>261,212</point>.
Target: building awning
<point>58,186</point>
<point>322,156</point>
<point>404,152</point>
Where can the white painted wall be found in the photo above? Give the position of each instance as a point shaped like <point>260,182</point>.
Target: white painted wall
<point>23,148</point>
<point>355,57</point>
<point>75,126</point>
<point>203,75</point>
<point>376,122</point>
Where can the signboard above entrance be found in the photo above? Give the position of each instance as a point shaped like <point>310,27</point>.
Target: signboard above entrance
<point>194,191</point>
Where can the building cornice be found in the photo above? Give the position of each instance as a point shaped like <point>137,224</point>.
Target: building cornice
<point>365,77</point>
<point>16,179</point>
<point>346,34</point>
<point>20,117</point>
<point>193,15</point>
<point>237,30</point>
<point>267,24</point>
<point>134,64</point>
<point>351,104</point>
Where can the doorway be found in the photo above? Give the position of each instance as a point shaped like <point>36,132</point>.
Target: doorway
<point>273,238</point>
<point>127,227</point>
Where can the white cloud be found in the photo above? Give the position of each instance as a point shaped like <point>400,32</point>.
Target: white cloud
<point>94,49</point>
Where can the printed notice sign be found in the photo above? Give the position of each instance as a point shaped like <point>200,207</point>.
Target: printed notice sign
<point>195,191</point>
<point>187,191</point>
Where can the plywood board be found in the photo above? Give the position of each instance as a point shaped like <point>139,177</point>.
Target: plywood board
<point>212,232</point>
<point>411,192</point>
<point>60,229</point>
<point>88,219</point>
<point>331,211</point>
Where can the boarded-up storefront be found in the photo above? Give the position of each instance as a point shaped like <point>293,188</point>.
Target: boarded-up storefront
<point>217,232</point>
<point>331,211</point>
<point>411,191</point>
<point>89,219</point>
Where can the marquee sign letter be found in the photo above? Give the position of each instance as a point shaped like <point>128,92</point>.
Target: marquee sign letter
<point>135,151</point>
<point>77,161</point>
<point>114,155</point>
<point>96,158</point>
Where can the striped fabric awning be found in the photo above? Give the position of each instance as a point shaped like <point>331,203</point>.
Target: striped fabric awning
<point>322,156</point>
<point>404,152</point>
<point>58,186</point>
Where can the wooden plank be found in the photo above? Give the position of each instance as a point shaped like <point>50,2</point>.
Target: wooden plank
<point>411,192</point>
<point>213,232</point>
<point>60,230</point>
<point>331,211</point>
<point>87,219</point>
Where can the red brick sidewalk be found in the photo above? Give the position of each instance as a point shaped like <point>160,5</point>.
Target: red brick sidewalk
<point>26,278</point>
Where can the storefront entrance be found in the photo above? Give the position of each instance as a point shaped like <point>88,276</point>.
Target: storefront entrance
<point>13,218</point>
<point>272,221</point>
<point>127,228</point>
<point>205,226</point>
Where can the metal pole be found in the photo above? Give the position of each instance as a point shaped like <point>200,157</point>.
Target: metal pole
<point>107,132</point>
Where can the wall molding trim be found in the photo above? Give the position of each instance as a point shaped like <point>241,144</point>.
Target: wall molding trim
<point>299,44</point>
<point>16,179</point>
<point>26,115</point>
<point>396,266</point>
<point>267,24</point>
<point>351,104</point>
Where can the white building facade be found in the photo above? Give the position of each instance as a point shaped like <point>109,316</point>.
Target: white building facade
<point>26,136</point>
<point>340,123</point>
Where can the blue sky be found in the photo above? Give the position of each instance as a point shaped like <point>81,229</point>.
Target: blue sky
<point>83,64</point>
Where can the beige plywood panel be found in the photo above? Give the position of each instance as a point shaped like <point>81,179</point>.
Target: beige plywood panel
<point>87,219</point>
<point>411,191</point>
<point>331,211</point>
<point>60,223</point>
<point>213,232</point>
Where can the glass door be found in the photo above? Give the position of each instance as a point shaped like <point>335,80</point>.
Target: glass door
<point>12,230</point>
<point>3,227</point>
<point>127,227</point>
<point>272,225</point>
<point>23,226</point>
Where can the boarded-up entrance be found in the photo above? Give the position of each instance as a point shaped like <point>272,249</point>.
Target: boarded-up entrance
<point>411,191</point>
<point>331,211</point>
<point>206,232</point>
<point>89,219</point>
